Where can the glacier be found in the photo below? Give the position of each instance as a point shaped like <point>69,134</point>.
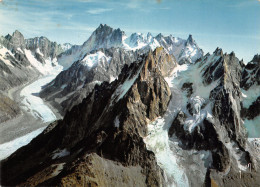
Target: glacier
<point>6,149</point>
<point>32,103</point>
<point>158,141</point>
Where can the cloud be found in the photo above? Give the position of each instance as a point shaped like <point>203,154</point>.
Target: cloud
<point>243,4</point>
<point>99,10</point>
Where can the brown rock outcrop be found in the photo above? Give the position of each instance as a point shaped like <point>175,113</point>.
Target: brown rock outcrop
<point>104,131</point>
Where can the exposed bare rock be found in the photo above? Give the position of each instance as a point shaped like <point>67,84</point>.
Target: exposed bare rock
<point>106,128</point>
<point>251,73</point>
<point>250,81</point>
<point>8,108</point>
<point>71,86</point>
<point>223,134</point>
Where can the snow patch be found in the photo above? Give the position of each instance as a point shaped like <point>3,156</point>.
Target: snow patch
<point>58,169</point>
<point>237,154</point>
<point>255,142</point>
<point>253,127</point>
<point>93,59</point>
<point>50,67</point>
<point>3,52</point>
<point>123,88</point>
<point>19,49</point>
<point>250,95</point>
<point>116,122</point>
<point>39,52</point>
<point>60,153</point>
<point>63,86</point>
<point>112,78</point>
<point>66,46</point>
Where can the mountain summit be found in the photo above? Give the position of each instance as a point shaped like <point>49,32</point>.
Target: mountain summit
<point>137,111</point>
<point>154,125</point>
<point>106,37</point>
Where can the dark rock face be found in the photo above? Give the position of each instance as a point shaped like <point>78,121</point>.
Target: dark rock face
<point>185,51</point>
<point>251,73</point>
<point>16,72</point>
<point>202,138</point>
<point>8,108</point>
<point>227,99</point>
<point>47,48</point>
<point>17,66</point>
<point>187,86</point>
<point>251,81</point>
<point>225,127</point>
<point>72,85</point>
<point>227,96</point>
<point>19,70</point>
<point>15,41</point>
<point>253,110</point>
<point>103,37</point>
<point>106,127</point>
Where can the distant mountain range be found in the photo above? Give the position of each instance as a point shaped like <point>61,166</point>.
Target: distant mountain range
<point>71,86</point>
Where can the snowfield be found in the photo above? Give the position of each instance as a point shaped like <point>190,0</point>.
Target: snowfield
<point>253,127</point>
<point>93,59</point>
<point>51,67</point>
<point>250,95</point>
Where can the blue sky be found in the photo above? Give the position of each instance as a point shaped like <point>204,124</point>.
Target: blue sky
<point>233,25</point>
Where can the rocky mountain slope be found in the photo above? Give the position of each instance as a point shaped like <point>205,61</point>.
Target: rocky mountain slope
<point>106,128</point>
<point>107,37</point>
<point>209,121</point>
<point>250,85</point>
<point>138,111</point>
<point>89,68</point>
<point>158,124</point>
<point>72,85</point>
<point>22,61</point>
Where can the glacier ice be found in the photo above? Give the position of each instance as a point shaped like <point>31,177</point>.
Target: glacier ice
<point>6,149</point>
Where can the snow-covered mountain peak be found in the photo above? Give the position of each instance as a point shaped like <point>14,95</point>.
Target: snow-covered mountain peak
<point>35,54</point>
<point>103,37</point>
<point>135,41</point>
<point>185,51</point>
<point>149,37</point>
<point>190,52</point>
